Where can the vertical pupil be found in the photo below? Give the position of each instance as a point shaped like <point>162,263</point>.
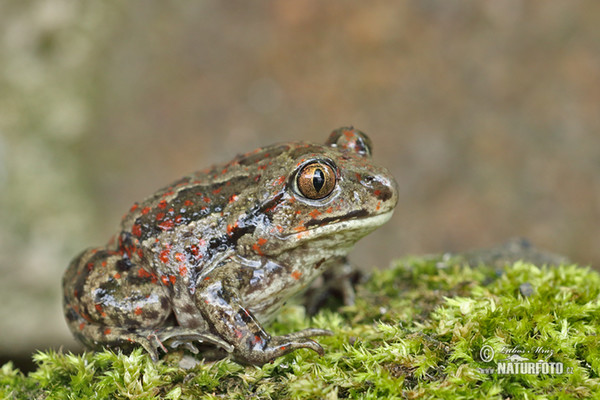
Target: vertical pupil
<point>318,179</point>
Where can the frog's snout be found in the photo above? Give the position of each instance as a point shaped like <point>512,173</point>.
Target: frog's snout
<point>384,188</point>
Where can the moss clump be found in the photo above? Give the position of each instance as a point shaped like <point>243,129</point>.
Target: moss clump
<point>417,331</point>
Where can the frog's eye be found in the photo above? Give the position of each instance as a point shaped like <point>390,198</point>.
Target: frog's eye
<point>316,180</point>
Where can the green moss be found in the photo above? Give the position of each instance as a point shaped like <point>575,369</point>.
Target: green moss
<point>416,331</point>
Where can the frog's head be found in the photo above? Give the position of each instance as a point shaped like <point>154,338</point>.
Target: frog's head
<point>324,195</point>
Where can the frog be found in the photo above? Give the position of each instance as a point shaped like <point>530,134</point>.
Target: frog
<point>209,260</point>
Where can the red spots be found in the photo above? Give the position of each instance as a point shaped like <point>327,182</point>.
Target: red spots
<point>160,216</point>
<point>329,210</point>
<point>104,263</point>
<point>140,253</point>
<point>279,181</point>
<point>378,205</point>
<point>164,256</point>
<point>136,230</point>
<point>300,228</point>
<point>262,167</point>
<point>170,192</point>
<point>231,228</point>
<point>282,347</point>
<point>257,339</point>
<point>238,334</point>
<point>188,203</point>
<point>206,199</point>
<point>107,331</point>
<point>194,250</point>
<point>224,171</point>
<point>99,309</point>
<point>162,204</point>
<point>180,257</point>
<point>168,279</point>
<point>296,275</point>
<point>233,198</point>
<point>166,225</point>
<point>279,228</point>
<point>377,193</point>
<point>138,311</point>
<point>257,178</point>
<point>117,276</point>
<point>145,210</point>
<point>183,270</point>
<point>178,219</point>
<point>142,273</point>
<point>207,278</point>
<point>257,246</point>
<point>358,177</point>
<point>298,212</point>
<point>90,266</point>
<point>314,213</point>
<point>217,190</point>
<point>134,207</point>
<point>81,326</point>
<point>75,293</point>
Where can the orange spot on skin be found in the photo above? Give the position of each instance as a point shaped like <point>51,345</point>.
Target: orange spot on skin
<point>140,253</point>
<point>117,276</point>
<point>104,263</point>
<point>166,225</point>
<point>90,266</point>
<point>233,198</point>
<point>182,270</point>
<point>165,280</point>
<point>99,309</point>
<point>142,273</point>
<point>279,181</point>
<point>217,190</point>
<point>138,311</point>
<point>230,228</point>
<point>296,275</point>
<point>378,206</point>
<point>188,203</point>
<point>180,257</point>
<point>206,199</point>
<point>160,216</point>
<point>194,250</point>
<point>162,204</point>
<point>81,326</point>
<point>145,210</point>
<point>134,207</point>
<point>172,279</point>
<point>178,219</point>
<point>329,210</point>
<point>300,228</point>
<point>377,192</point>
<point>164,256</point>
<point>207,278</point>
<point>314,213</point>
<point>107,331</point>
<point>256,246</point>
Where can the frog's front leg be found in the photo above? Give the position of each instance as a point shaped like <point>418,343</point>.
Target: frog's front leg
<point>217,298</point>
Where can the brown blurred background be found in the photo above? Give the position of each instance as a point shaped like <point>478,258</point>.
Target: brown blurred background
<point>486,112</point>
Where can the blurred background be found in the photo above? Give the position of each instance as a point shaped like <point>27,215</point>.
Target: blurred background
<point>487,113</point>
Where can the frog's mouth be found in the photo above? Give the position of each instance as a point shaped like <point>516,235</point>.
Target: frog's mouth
<point>350,223</point>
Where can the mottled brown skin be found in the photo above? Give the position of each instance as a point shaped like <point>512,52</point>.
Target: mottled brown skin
<point>212,257</point>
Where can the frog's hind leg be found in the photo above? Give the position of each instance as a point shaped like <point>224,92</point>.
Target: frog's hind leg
<point>109,301</point>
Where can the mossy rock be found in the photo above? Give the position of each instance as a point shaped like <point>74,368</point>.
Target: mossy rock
<point>430,327</point>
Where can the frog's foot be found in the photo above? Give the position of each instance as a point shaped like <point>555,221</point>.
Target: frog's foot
<point>337,283</point>
<point>174,337</point>
<point>278,346</point>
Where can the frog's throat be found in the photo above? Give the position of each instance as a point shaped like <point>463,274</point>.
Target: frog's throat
<point>365,224</point>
